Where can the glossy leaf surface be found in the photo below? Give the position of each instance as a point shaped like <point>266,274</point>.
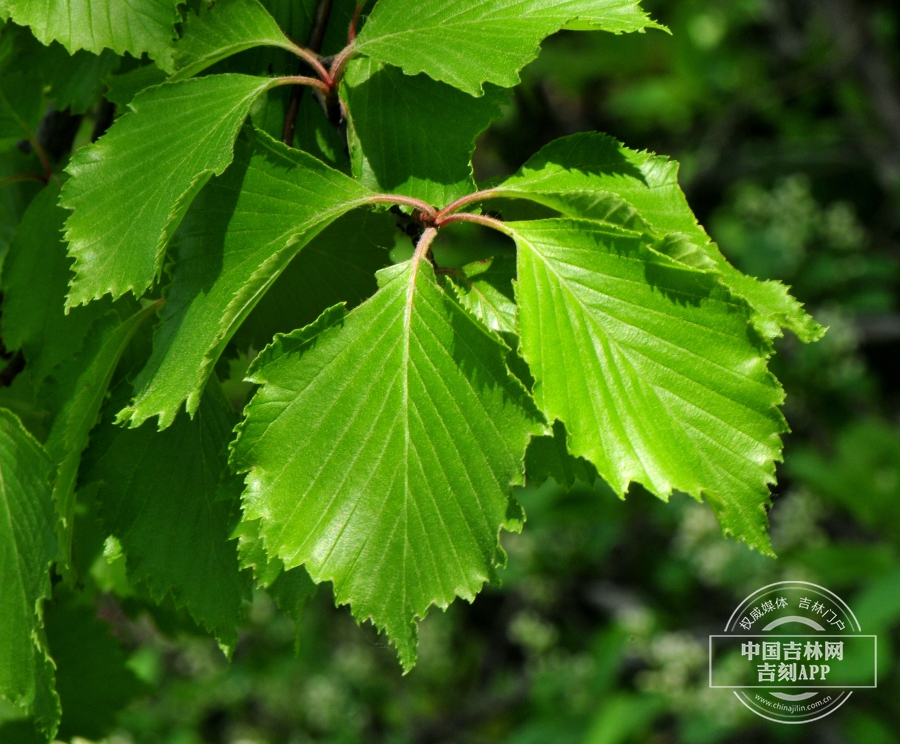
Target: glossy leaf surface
<point>595,176</point>
<point>240,235</point>
<point>467,44</point>
<point>654,367</point>
<point>226,28</point>
<point>134,26</point>
<point>130,189</point>
<point>381,450</point>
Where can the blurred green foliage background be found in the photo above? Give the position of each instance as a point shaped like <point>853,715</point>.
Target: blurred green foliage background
<point>785,115</point>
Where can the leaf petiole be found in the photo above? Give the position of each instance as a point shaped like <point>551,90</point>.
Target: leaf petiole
<point>478,219</point>
<point>23,177</point>
<point>466,200</point>
<point>313,60</point>
<point>303,80</point>
<point>45,161</point>
<point>428,212</point>
<point>424,244</point>
<point>354,22</point>
<point>340,64</point>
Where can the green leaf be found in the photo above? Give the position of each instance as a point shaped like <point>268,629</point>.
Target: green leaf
<point>223,29</point>
<point>240,235</point>
<point>21,399</point>
<point>401,137</point>
<point>485,289</point>
<point>160,496</point>
<point>21,107</point>
<point>75,82</point>
<point>90,374</point>
<point>92,678</point>
<point>338,265</point>
<point>15,197</point>
<point>122,89</point>
<point>131,188</point>
<point>549,457</point>
<point>593,175</point>
<point>36,277</point>
<point>291,590</point>
<point>135,26</point>
<point>69,81</point>
<point>252,554</point>
<point>27,548</point>
<point>381,450</point>
<point>314,133</point>
<point>653,366</point>
<point>467,44</point>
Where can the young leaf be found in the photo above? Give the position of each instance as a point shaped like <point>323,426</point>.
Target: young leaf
<point>36,277</point>
<point>401,137</point>
<point>90,374</point>
<point>159,495</point>
<point>136,26</point>
<point>653,366</point>
<point>587,175</point>
<point>131,188</point>
<point>223,29</point>
<point>240,235</point>
<point>381,449</point>
<point>27,548</point>
<point>485,289</point>
<point>467,44</point>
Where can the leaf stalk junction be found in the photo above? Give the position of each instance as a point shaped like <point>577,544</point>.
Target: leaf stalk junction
<point>330,70</point>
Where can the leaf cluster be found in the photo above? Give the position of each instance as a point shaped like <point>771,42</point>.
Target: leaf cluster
<point>241,211</point>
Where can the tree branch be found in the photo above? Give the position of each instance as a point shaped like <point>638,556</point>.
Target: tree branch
<point>316,37</point>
